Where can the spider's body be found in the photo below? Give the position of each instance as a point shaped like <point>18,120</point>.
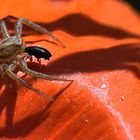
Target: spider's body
<point>13,51</point>
<point>10,48</point>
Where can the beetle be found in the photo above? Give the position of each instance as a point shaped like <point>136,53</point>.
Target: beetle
<point>13,52</point>
<point>38,52</point>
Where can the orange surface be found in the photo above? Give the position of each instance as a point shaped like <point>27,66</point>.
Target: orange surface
<point>102,42</point>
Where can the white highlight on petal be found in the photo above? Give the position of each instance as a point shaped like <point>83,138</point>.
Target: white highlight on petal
<point>101,93</point>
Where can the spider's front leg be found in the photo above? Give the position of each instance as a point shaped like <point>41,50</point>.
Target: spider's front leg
<point>4,30</point>
<point>12,75</point>
<point>3,74</point>
<point>18,29</point>
<point>33,73</point>
<point>2,70</point>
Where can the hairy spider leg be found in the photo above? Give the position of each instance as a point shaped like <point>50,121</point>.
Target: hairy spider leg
<point>12,75</point>
<point>18,29</point>
<point>3,74</point>
<point>33,73</point>
<point>4,30</point>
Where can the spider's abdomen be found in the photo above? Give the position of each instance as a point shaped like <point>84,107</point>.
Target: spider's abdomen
<point>38,52</point>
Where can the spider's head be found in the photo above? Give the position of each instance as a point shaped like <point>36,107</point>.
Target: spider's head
<point>11,41</point>
<point>10,46</point>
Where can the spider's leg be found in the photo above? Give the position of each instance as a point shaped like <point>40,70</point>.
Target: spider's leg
<point>9,18</point>
<point>18,29</point>
<point>4,30</point>
<point>3,74</point>
<point>12,75</point>
<point>33,73</point>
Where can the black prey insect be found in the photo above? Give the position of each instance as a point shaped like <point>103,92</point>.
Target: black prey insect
<point>38,52</point>
<point>13,52</point>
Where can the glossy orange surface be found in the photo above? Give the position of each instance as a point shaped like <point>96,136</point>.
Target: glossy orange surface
<point>102,42</point>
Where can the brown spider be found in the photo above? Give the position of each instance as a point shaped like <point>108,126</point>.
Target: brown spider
<point>12,53</point>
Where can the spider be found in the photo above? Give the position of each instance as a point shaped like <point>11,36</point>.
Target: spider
<point>13,52</point>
